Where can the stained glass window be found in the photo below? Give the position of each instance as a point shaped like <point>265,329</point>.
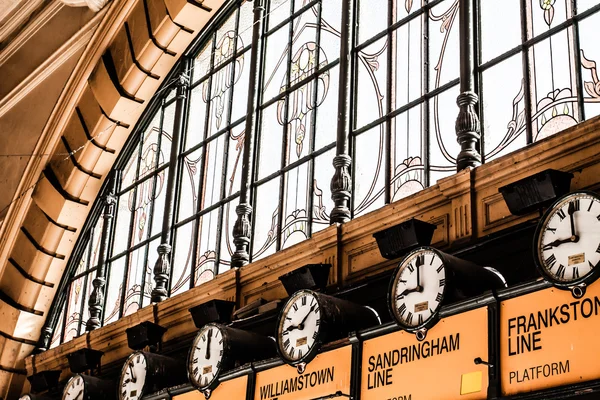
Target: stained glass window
<point>406,61</point>
<point>536,74</point>
<point>533,56</point>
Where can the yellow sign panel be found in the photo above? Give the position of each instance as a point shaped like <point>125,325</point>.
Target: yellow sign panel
<point>548,338</point>
<point>398,366</point>
<point>227,390</point>
<point>327,374</point>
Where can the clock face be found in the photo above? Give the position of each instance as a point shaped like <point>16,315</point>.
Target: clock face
<point>299,326</point>
<point>25,397</point>
<point>206,356</point>
<point>133,377</point>
<point>568,239</point>
<point>74,389</point>
<point>418,289</point>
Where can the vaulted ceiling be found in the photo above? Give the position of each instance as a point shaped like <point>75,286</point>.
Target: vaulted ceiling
<point>63,120</point>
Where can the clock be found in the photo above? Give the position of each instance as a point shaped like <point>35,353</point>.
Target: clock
<point>427,278</point>
<point>145,373</point>
<point>84,387</point>
<point>310,319</point>
<point>418,288</point>
<point>75,388</point>
<point>218,348</point>
<point>567,241</point>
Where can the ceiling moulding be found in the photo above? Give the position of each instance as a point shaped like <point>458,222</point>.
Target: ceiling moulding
<point>31,29</point>
<point>23,12</point>
<point>94,5</point>
<point>51,64</point>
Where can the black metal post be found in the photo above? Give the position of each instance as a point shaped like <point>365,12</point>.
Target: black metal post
<point>242,229</point>
<point>162,267</point>
<point>468,129</point>
<point>341,183</point>
<point>96,300</point>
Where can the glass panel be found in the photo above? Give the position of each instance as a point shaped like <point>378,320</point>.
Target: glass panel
<point>76,301</point>
<point>409,62</point>
<point>226,38</point>
<point>278,11</point>
<point>266,223</point>
<point>227,245</point>
<point>240,92</point>
<point>299,126</point>
<point>444,62</point>
<point>86,309</point>
<point>304,44</point>
<point>503,101</point>
<point>136,270</point>
<point>408,154</point>
<point>152,256</point>
<point>276,56</point>
<point>500,26</point>
<point>547,14</point>
<point>583,5</point>
<point>369,170</point>
<point>234,159</point>
<point>590,56</point>
<point>190,176</point>
<point>150,152</point>
<point>322,202</point>
<point>553,81</point>
<point>219,98</point>
<point>182,257</point>
<point>211,185</point>
<point>96,239</point>
<point>202,61</point>
<point>140,203</point>
<point>246,24</point>
<point>370,94</point>
<point>114,290</point>
<point>372,18</point>
<point>270,140</point>
<point>331,21</point>
<point>207,245</point>
<point>129,174</point>
<point>167,135</point>
<point>196,117</point>
<point>406,7</point>
<point>327,100</point>
<point>443,147</point>
<point>58,330</point>
<point>296,197</point>
<point>159,183</point>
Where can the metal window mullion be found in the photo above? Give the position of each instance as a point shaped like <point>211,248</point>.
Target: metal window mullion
<point>64,324</point>
<point>526,70</point>
<point>390,102</point>
<point>479,75</point>
<point>425,138</point>
<point>578,74</point>
<point>84,301</point>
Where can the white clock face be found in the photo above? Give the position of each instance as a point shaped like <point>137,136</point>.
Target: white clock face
<point>299,326</point>
<point>74,388</point>
<point>569,239</point>
<point>133,377</point>
<point>25,397</point>
<point>418,288</point>
<point>206,356</point>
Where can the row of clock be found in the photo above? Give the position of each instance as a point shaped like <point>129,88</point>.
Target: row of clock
<point>567,251</point>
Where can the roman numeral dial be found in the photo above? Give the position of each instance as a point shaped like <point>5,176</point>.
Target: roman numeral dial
<point>206,355</point>
<point>299,326</point>
<point>568,240</point>
<point>418,288</point>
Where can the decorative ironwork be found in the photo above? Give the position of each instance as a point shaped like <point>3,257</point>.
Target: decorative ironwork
<point>467,131</point>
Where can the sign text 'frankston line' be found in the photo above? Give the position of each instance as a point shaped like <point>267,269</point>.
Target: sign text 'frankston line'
<point>548,338</point>
<point>327,374</point>
<point>398,366</point>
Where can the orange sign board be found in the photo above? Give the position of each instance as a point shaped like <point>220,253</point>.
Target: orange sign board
<point>398,366</point>
<point>548,338</point>
<point>327,374</point>
<point>227,390</point>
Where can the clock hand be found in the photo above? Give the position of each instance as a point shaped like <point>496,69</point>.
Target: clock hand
<point>408,291</point>
<point>557,243</point>
<point>133,378</point>
<point>207,355</point>
<point>79,394</point>
<point>418,264</point>
<point>301,324</point>
<point>571,211</point>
